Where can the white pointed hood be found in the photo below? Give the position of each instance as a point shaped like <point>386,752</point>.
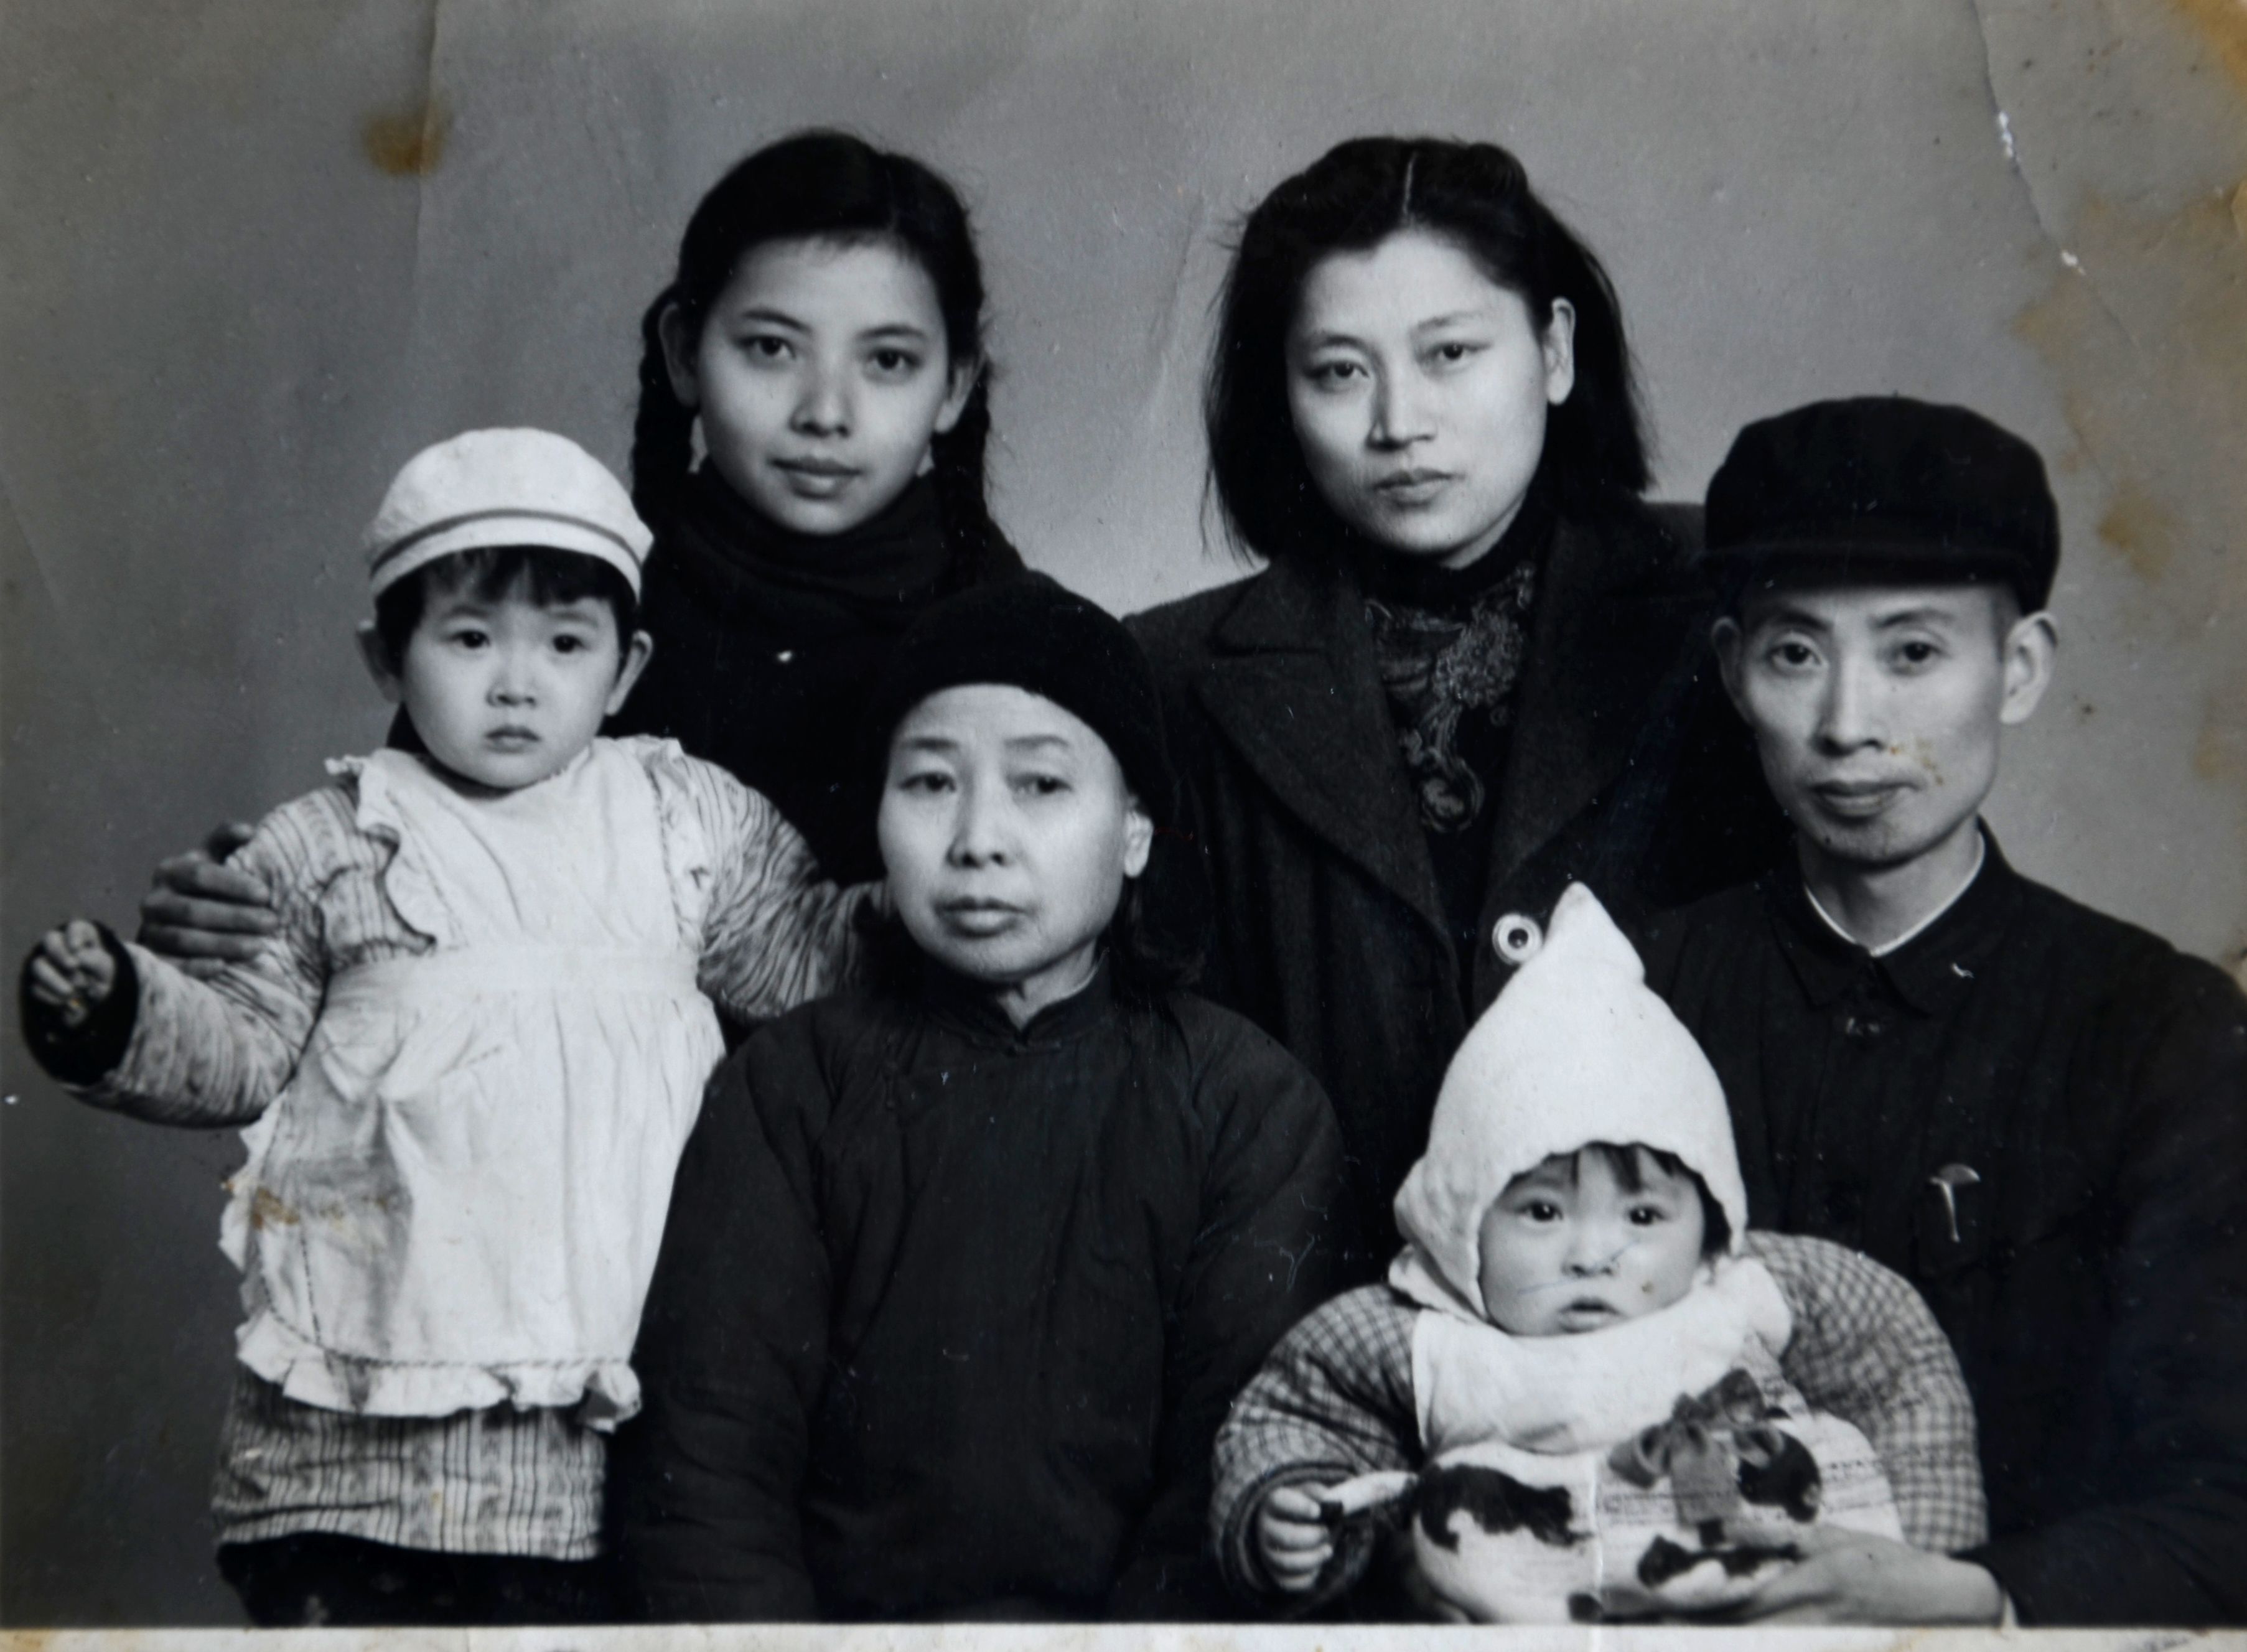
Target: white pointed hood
<point>1576,1049</point>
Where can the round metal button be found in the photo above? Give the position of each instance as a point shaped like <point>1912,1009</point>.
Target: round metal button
<point>1516,938</point>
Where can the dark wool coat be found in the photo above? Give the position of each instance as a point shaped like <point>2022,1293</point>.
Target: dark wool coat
<point>1625,769</point>
<point>948,1313</point>
<point>2091,1271</point>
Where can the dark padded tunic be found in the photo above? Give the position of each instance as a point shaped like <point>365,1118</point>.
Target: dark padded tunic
<point>948,1313</point>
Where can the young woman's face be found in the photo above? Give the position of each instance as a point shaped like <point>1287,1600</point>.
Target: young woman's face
<point>1007,831</point>
<point>506,692</point>
<point>821,374</point>
<point>1877,709</point>
<point>1564,1252</point>
<point>1419,388</point>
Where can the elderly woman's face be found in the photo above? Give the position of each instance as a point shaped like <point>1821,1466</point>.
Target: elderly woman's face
<point>1009,831</point>
<point>1419,387</point>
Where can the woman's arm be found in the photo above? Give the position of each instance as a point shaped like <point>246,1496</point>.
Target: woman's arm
<point>203,911</point>
<point>733,1348</point>
<point>778,932</point>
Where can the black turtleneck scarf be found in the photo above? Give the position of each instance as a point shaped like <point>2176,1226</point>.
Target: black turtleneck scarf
<point>767,643</point>
<point>1450,642</point>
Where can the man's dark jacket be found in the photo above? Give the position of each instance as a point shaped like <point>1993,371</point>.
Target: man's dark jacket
<point>1625,770</point>
<point>2038,1116</point>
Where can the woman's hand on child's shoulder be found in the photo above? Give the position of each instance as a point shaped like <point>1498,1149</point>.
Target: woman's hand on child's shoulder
<point>1293,1539</point>
<point>203,914</point>
<point>71,972</point>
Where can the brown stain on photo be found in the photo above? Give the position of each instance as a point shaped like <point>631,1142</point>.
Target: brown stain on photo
<point>2150,343</point>
<point>2223,24</point>
<point>2140,529</point>
<point>2146,337</point>
<point>268,1211</point>
<point>408,143</point>
<point>2217,751</point>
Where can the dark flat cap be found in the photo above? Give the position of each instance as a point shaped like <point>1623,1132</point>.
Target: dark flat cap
<point>1886,487</point>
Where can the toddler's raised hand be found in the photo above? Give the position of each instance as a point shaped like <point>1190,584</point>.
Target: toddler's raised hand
<point>1293,1539</point>
<point>71,972</point>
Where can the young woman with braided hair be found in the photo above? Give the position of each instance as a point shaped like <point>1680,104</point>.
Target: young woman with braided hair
<point>823,334</point>
<point>824,330</point>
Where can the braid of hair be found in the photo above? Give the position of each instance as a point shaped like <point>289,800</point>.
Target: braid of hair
<point>962,503</point>
<point>663,429</point>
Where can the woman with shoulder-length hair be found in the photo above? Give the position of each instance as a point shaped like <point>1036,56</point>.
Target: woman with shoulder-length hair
<point>1474,669</point>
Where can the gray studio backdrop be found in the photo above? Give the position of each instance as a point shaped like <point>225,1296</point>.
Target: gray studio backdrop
<point>258,251</point>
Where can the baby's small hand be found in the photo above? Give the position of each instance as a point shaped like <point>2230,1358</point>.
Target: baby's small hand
<point>71,972</point>
<point>1292,1539</point>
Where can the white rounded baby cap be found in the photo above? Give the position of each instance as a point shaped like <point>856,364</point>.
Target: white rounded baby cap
<point>490,489</point>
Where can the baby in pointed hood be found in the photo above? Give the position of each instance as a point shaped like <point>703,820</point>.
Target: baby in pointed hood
<point>1577,1355</point>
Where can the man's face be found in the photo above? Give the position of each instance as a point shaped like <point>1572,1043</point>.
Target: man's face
<point>1876,709</point>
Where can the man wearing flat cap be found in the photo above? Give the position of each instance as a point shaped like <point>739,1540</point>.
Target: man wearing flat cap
<point>2036,1113</point>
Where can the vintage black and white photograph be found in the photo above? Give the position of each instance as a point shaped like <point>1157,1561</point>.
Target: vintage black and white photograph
<point>1307,817</point>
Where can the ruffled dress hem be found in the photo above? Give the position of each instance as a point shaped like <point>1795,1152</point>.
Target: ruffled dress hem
<point>604,1392</point>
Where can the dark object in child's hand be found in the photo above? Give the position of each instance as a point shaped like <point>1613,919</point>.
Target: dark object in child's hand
<point>1363,1514</point>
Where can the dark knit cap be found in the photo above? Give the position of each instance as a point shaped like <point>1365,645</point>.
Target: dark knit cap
<point>1028,633</point>
<point>1883,486</point>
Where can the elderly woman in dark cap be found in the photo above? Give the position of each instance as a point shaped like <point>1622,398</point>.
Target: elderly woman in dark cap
<point>963,1268</point>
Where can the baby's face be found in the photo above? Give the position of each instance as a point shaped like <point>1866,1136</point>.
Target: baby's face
<point>1568,1247</point>
<point>505,693</point>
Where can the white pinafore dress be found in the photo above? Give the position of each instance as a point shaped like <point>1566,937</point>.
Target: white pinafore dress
<point>455,1202</point>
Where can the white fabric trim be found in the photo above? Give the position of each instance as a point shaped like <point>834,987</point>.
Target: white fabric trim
<point>1472,1381</point>
<point>1981,855</point>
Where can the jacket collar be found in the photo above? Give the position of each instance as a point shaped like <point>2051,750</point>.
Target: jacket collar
<point>1603,639</point>
<point>1932,972</point>
<point>970,1008</point>
<point>1293,686</point>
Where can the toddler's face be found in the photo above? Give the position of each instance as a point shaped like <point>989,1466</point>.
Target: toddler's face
<point>1007,831</point>
<point>505,693</point>
<point>1566,1248</point>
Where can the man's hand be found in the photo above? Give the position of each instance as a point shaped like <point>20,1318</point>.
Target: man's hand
<point>1849,1577</point>
<point>1292,1539</point>
<point>71,972</point>
<point>203,914</point>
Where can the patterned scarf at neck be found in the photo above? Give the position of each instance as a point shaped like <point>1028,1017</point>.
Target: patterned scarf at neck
<point>1449,643</point>
<point>1443,668</point>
